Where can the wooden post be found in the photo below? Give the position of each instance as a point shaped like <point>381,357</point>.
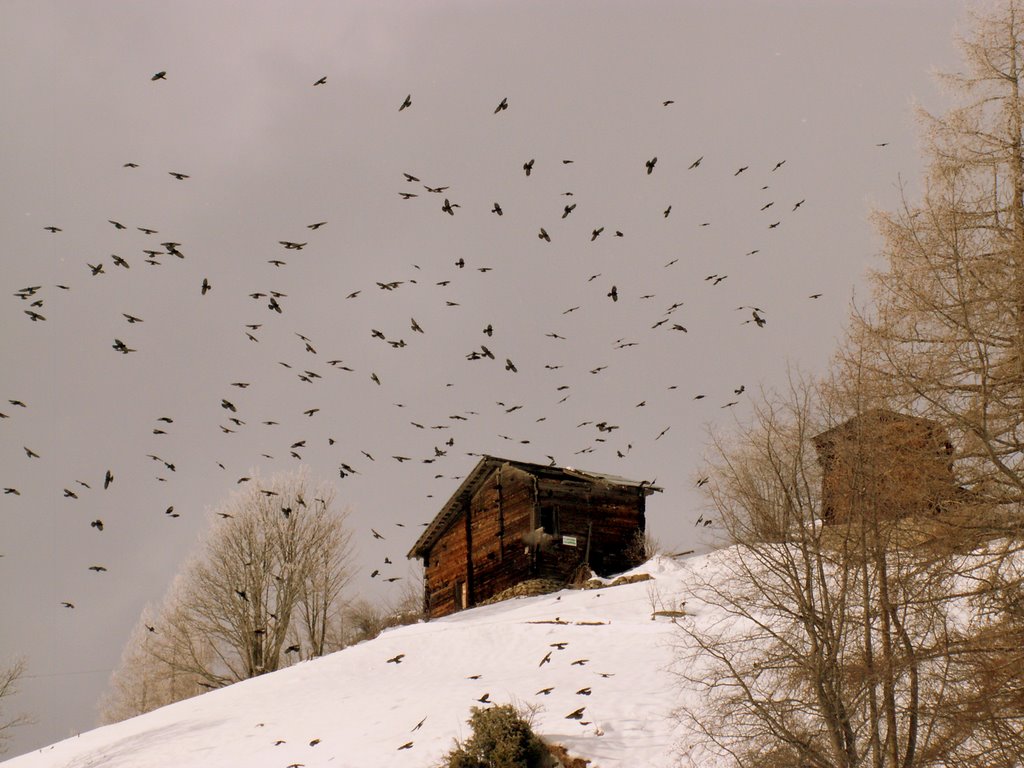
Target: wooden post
<point>467,511</point>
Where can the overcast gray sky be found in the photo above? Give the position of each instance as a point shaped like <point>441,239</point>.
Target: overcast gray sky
<point>818,85</point>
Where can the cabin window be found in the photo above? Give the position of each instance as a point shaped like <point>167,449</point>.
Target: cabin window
<point>461,595</point>
<point>549,519</point>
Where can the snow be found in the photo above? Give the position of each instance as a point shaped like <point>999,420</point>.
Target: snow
<point>362,708</point>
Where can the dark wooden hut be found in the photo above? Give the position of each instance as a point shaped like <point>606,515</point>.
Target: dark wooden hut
<point>510,521</point>
<point>886,463</point>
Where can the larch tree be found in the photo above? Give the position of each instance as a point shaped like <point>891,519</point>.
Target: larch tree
<point>943,336</point>
<point>885,629</point>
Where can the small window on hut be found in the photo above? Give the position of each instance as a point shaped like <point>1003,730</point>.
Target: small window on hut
<point>549,520</point>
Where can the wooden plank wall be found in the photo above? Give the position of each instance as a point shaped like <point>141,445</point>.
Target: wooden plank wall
<point>504,513</point>
<point>611,516</point>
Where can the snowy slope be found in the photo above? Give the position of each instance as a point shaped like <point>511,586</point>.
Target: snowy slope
<point>363,709</point>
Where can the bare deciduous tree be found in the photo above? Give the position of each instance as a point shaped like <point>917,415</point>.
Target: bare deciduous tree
<point>9,677</point>
<point>265,588</point>
<point>851,621</point>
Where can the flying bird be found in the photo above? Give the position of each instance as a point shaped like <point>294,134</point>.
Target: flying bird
<point>161,75</point>
<point>528,166</point>
<point>543,235</point>
<point>497,209</point>
<point>179,176</point>
<point>407,103</point>
<point>650,165</point>
<point>503,104</point>
<point>205,287</point>
<point>321,81</point>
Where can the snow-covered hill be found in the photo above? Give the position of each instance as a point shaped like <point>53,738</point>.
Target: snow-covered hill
<point>355,708</point>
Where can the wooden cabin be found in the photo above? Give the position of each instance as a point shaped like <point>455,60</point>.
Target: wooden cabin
<point>510,521</point>
<point>885,463</point>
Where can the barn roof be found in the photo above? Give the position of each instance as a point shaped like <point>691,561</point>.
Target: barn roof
<point>483,470</point>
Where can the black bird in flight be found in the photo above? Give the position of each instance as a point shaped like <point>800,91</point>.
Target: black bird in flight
<point>54,230</point>
<point>321,81</point>
<point>290,246</point>
<point>528,166</point>
<point>119,262</point>
<point>435,190</point>
<point>130,165</point>
<point>376,535</point>
<point>502,105</point>
<point>117,224</point>
<point>497,209</point>
<point>121,347</point>
<point>97,568</point>
<point>132,318</point>
<point>34,316</point>
<point>695,163</point>
<point>650,165</point>
<point>179,176</point>
<point>406,103</point>
<point>161,75</point>
<point>447,207</point>
<point>778,165</point>
<point>510,366</point>
<point>316,226</point>
<point>205,287</point>
<point>410,177</point>
<point>667,102</point>
<point>396,659</point>
<point>108,479</point>
<point>97,524</point>
<point>543,235</point>
<point>407,745</point>
<point>613,294</point>
<point>576,714</point>
<point>97,269</point>
<point>147,231</point>
<point>798,205</point>
<point>568,209</point>
<point>66,604</point>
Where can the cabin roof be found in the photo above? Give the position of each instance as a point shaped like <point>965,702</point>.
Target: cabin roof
<point>877,415</point>
<point>485,467</point>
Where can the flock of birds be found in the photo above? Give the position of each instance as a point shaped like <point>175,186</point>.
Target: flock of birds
<point>311,364</point>
<point>36,298</point>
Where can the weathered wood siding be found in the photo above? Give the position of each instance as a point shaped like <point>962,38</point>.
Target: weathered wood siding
<point>499,538</point>
<point>610,517</point>
<point>500,515</point>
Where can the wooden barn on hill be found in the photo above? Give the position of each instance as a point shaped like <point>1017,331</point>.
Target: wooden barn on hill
<point>886,462</point>
<point>510,521</point>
